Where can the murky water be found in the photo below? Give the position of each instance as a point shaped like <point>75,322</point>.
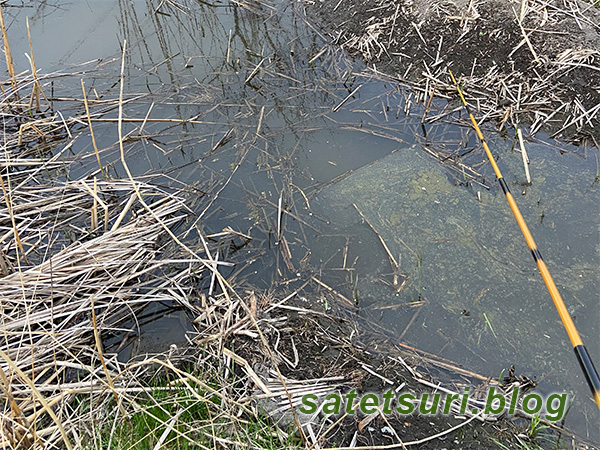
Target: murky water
<point>199,112</point>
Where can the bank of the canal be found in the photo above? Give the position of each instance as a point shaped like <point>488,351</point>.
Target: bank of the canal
<point>533,62</point>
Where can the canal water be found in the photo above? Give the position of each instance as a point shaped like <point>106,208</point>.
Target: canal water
<point>246,100</point>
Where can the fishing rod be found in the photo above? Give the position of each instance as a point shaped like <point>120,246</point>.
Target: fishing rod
<point>591,375</point>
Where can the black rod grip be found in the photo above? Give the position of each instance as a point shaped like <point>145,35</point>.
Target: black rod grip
<point>588,368</point>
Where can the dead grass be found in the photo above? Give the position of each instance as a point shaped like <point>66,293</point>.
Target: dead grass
<point>531,63</point>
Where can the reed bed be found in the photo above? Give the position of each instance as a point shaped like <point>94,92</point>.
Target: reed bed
<point>531,63</point>
<point>79,262</point>
<point>101,257</point>
<point>54,311</point>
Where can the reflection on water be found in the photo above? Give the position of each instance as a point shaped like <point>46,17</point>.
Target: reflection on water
<point>236,103</point>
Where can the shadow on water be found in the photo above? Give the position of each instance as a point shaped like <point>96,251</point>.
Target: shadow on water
<point>236,103</point>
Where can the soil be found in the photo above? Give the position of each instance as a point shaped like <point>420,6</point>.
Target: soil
<point>482,41</point>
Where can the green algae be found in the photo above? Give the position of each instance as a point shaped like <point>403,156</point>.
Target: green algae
<point>470,243</point>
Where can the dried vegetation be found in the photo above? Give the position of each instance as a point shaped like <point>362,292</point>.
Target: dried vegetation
<point>533,62</point>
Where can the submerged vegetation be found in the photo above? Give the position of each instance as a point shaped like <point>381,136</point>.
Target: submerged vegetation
<point>134,182</point>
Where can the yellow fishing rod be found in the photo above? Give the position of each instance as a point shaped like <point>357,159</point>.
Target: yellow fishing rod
<point>583,356</point>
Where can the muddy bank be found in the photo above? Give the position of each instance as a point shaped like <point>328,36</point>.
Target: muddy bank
<point>533,62</point>
<point>320,352</point>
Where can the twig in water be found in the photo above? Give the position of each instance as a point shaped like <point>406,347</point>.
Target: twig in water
<point>279,214</point>
<point>395,265</point>
<point>9,61</point>
<point>351,94</point>
<point>524,154</point>
<point>255,71</point>
<point>87,111</point>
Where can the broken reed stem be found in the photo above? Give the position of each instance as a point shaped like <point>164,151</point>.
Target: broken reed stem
<point>87,112</point>
<point>524,154</point>
<point>254,72</point>
<point>7,199</point>
<point>279,214</point>
<point>145,119</point>
<point>123,213</point>
<point>348,97</point>
<point>95,207</point>
<point>109,379</point>
<point>431,97</point>
<point>37,89</point>
<point>395,265</point>
<point>259,126</point>
<point>526,38</point>
<point>37,394</point>
<point>9,61</point>
<point>97,200</point>
<point>332,290</point>
<point>17,414</point>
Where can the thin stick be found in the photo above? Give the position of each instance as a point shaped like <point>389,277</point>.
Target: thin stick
<point>350,95</point>
<point>429,103</point>
<point>145,119</point>
<point>332,290</point>
<point>95,207</point>
<point>524,154</point>
<point>279,214</point>
<point>410,322</point>
<point>36,84</point>
<point>395,265</point>
<point>259,126</point>
<point>255,71</point>
<point>9,61</point>
<point>87,111</point>
<point>533,53</point>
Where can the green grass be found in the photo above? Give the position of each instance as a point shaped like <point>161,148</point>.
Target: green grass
<point>174,416</point>
<point>145,428</point>
<point>535,428</point>
<point>534,437</point>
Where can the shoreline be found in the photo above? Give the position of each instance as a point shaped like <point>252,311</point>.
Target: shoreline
<point>531,63</point>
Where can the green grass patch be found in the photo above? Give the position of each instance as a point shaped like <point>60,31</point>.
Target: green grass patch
<point>172,414</point>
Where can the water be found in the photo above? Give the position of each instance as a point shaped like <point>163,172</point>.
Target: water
<point>256,139</point>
